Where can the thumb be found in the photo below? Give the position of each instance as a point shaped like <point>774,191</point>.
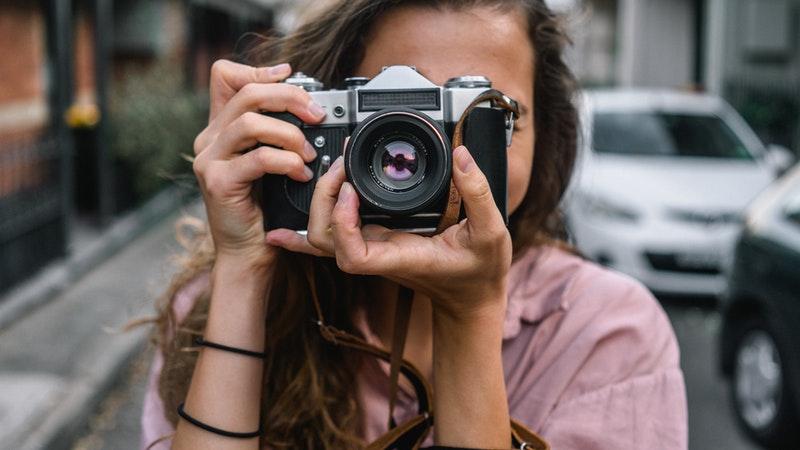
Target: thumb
<point>479,204</point>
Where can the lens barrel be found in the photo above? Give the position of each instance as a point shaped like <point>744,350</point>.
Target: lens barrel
<point>399,161</point>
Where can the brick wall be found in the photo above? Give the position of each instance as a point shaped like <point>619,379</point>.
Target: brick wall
<point>23,100</point>
<point>23,95</point>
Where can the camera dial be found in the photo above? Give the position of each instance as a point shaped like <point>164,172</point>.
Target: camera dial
<point>306,82</point>
<point>468,81</point>
<point>355,82</point>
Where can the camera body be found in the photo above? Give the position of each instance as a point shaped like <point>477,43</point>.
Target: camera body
<point>398,156</point>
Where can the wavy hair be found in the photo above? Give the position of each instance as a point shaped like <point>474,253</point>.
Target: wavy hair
<point>309,385</point>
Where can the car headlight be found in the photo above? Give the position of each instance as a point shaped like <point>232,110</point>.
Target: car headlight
<point>607,209</point>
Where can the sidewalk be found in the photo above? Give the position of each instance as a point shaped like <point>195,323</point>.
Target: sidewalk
<point>59,361</point>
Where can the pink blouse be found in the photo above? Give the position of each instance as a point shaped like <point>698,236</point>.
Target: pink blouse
<point>590,358</point>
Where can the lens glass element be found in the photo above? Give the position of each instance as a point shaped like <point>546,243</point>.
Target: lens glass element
<point>399,161</point>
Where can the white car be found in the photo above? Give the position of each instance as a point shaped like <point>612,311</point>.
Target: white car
<point>661,186</point>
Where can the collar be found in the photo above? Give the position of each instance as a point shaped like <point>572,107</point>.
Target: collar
<point>537,283</point>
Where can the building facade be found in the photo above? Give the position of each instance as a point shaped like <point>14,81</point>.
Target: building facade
<point>747,51</point>
<point>61,80</point>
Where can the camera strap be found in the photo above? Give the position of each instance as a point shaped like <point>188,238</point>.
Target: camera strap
<point>497,99</point>
<point>410,434</point>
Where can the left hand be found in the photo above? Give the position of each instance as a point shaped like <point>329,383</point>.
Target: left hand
<point>463,270</point>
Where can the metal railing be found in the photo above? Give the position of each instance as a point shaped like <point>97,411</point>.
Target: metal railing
<point>31,210</point>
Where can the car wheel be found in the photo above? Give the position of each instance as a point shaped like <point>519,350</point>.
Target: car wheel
<point>759,388</point>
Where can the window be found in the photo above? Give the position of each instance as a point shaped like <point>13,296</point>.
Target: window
<point>666,134</point>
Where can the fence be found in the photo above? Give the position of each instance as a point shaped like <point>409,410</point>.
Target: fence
<point>31,206</point>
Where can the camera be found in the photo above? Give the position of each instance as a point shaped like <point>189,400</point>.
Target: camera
<point>398,156</point>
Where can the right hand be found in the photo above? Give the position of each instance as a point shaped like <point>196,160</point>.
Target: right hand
<point>226,174</point>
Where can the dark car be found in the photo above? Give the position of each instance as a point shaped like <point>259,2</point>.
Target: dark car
<point>760,340</point>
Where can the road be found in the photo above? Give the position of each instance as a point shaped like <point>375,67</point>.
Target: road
<point>711,422</point>
<point>711,425</point>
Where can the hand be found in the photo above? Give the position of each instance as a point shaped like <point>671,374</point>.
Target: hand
<point>463,269</point>
<point>226,172</point>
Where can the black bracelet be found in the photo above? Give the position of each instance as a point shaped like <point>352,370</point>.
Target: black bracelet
<point>204,343</point>
<point>209,428</point>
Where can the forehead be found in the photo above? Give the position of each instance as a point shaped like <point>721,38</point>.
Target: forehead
<point>444,43</point>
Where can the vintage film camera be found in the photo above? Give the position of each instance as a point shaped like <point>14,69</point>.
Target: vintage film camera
<point>399,154</point>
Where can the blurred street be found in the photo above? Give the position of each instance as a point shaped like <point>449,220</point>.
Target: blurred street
<point>59,361</point>
<point>711,422</point>
<point>687,180</point>
<point>115,425</point>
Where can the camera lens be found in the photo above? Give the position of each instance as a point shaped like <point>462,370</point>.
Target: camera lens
<point>399,161</point>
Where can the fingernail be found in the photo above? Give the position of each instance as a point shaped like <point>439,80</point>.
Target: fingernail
<point>337,164</point>
<point>463,159</point>
<point>309,174</point>
<point>280,69</point>
<point>345,193</point>
<point>309,151</point>
<point>315,109</point>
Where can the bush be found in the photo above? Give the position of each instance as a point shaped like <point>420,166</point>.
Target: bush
<point>154,120</point>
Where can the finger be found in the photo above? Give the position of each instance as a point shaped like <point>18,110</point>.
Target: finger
<point>294,242</point>
<point>273,97</point>
<point>351,249</point>
<point>354,254</point>
<point>483,216</point>
<point>267,160</point>
<point>228,78</point>
<point>252,128</point>
<point>322,203</point>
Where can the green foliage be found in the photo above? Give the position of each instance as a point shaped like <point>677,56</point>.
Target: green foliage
<point>771,111</point>
<point>154,120</point>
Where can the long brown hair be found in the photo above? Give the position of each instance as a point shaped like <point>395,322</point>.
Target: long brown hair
<point>309,385</point>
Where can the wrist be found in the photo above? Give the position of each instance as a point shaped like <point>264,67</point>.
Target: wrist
<point>235,281</point>
<point>258,262</point>
<point>480,332</point>
<point>484,309</point>
<point>245,265</point>
<point>237,310</point>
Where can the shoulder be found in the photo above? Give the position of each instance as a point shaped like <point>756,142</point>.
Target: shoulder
<point>591,350</point>
<point>551,281</point>
<point>598,324</point>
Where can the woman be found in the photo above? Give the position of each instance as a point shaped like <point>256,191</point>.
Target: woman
<point>511,324</point>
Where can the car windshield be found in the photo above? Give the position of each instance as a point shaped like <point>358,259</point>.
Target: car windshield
<point>666,134</point>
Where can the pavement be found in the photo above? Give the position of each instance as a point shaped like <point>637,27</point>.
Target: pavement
<point>60,361</point>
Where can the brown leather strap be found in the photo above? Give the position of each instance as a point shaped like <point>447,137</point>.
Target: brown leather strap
<point>453,208</point>
<point>408,435</point>
<point>335,336</point>
<point>522,435</point>
<point>402,313</point>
